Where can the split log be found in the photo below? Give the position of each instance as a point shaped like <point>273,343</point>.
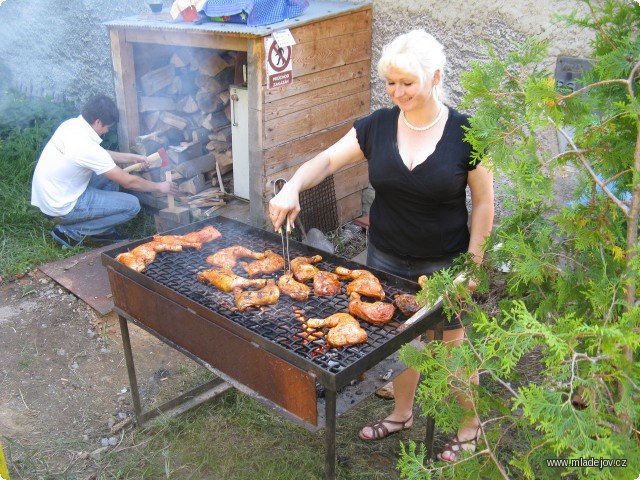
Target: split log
<point>209,84</point>
<point>184,153</point>
<point>197,165</point>
<point>152,104</point>
<point>179,60</point>
<point>224,160</point>
<point>193,185</point>
<point>208,102</point>
<point>217,147</point>
<point>200,134</point>
<point>151,120</point>
<point>174,120</point>
<point>208,63</point>
<point>155,80</point>
<point>222,135</point>
<point>215,121</point>
<point>187,104</point>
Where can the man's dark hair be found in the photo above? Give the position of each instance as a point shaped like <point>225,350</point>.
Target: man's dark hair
<point>100,107</point>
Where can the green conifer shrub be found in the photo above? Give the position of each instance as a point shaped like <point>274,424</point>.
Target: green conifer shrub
<point>569,296</point>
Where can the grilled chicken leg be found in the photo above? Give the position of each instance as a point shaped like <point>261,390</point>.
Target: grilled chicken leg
<point>144,254</point>
<point>192,239</point>
<point>270,263</point>
<point>376,313</point>
<point>228,257</point>
<point>292,288</point>
<point>363,282</point>
<point>344,329</point>
<point>326,284</point>
<point>225,280</point>
<point>267,295</point>
<point>303,268</point>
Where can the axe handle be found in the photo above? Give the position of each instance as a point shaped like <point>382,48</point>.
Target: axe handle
<point>134,167</point>
<point>153,160</point>
<point>170,200</point>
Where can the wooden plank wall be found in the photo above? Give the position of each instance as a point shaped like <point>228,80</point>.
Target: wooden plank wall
<point>330,89</point>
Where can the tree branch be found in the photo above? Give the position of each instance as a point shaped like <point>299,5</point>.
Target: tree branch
<point>587,165</point>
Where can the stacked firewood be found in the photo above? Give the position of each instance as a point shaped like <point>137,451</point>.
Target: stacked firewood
<point>184,107</point>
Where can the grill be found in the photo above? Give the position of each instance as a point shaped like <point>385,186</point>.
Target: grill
<point>266,352</point>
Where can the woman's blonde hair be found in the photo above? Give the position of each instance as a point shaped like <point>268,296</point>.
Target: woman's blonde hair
<point>417,53</point>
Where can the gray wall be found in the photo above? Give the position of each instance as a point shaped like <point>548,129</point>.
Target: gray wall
<point>60,48</point>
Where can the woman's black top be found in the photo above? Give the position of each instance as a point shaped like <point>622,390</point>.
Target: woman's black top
<point>418,213</point>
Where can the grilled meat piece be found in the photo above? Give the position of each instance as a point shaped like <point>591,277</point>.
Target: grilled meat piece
<point>144,254</point>
<point>292,288</point>
<point>225,280</point>
<point>303,268</point>
<point>363,282</point>
<point>267,295</point>
<point>228,257</point>
<point>376,313</point>
<point>326,284</point>
<point>344,329</point>
<point>270,263</point>
<point>192,239</point>
<point>407,303</point>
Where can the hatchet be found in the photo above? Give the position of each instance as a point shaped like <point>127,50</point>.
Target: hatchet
<point>158,159</point>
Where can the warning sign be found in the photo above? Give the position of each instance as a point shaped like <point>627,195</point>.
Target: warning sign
<point>278,62</point>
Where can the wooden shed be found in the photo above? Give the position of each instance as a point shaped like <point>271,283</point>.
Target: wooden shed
<point>288,124</point>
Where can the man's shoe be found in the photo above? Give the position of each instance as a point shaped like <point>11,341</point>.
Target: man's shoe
<point>65,240</point>
<point>110,237</point>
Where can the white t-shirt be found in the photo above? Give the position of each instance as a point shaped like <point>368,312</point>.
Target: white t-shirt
<point>65,167</point>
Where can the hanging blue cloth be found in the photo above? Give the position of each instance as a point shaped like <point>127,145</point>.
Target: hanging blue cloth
<point>256,12</point>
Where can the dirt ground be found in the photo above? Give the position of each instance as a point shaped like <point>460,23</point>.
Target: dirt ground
<point>63,380</point>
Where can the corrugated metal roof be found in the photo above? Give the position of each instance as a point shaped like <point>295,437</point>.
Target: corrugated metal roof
<point>317,10</point>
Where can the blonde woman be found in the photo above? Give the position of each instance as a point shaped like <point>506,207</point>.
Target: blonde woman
<point>420,167</point>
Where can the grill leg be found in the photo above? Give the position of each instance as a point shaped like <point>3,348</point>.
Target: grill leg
<point>330,435</point>
<point>131,369</point>
<point>429,434</point>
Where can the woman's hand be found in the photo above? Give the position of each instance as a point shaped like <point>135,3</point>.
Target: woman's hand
<point>285,204</point>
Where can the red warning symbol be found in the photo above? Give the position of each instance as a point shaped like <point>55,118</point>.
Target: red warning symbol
<point>279,58</point>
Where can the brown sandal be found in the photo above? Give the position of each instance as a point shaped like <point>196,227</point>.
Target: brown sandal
<point>455,446</point>
<point>380,430</point>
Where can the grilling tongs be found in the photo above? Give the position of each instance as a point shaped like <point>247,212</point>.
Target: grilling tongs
<point>277,186</point>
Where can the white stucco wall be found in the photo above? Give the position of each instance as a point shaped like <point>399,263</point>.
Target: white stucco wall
<point>462,27</point>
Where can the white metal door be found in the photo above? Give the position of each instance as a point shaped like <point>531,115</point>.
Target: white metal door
<point>240,140</point>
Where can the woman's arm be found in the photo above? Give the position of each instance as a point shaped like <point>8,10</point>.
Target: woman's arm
<point>287,202</point>
<point>482,209</point>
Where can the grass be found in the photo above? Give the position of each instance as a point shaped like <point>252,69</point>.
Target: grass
<point>25,242</point>
<point>233,437</point>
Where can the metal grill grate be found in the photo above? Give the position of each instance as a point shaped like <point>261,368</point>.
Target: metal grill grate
<point>318,207</point>
<point>280,323</point>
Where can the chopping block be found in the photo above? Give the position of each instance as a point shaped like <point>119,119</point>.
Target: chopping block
<point>173,214</point>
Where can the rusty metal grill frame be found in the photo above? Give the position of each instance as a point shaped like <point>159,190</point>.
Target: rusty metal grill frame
<point>383,340</point>
<point>272,373</point>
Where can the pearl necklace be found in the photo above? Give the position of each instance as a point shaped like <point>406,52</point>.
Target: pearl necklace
<point>425,128</point>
